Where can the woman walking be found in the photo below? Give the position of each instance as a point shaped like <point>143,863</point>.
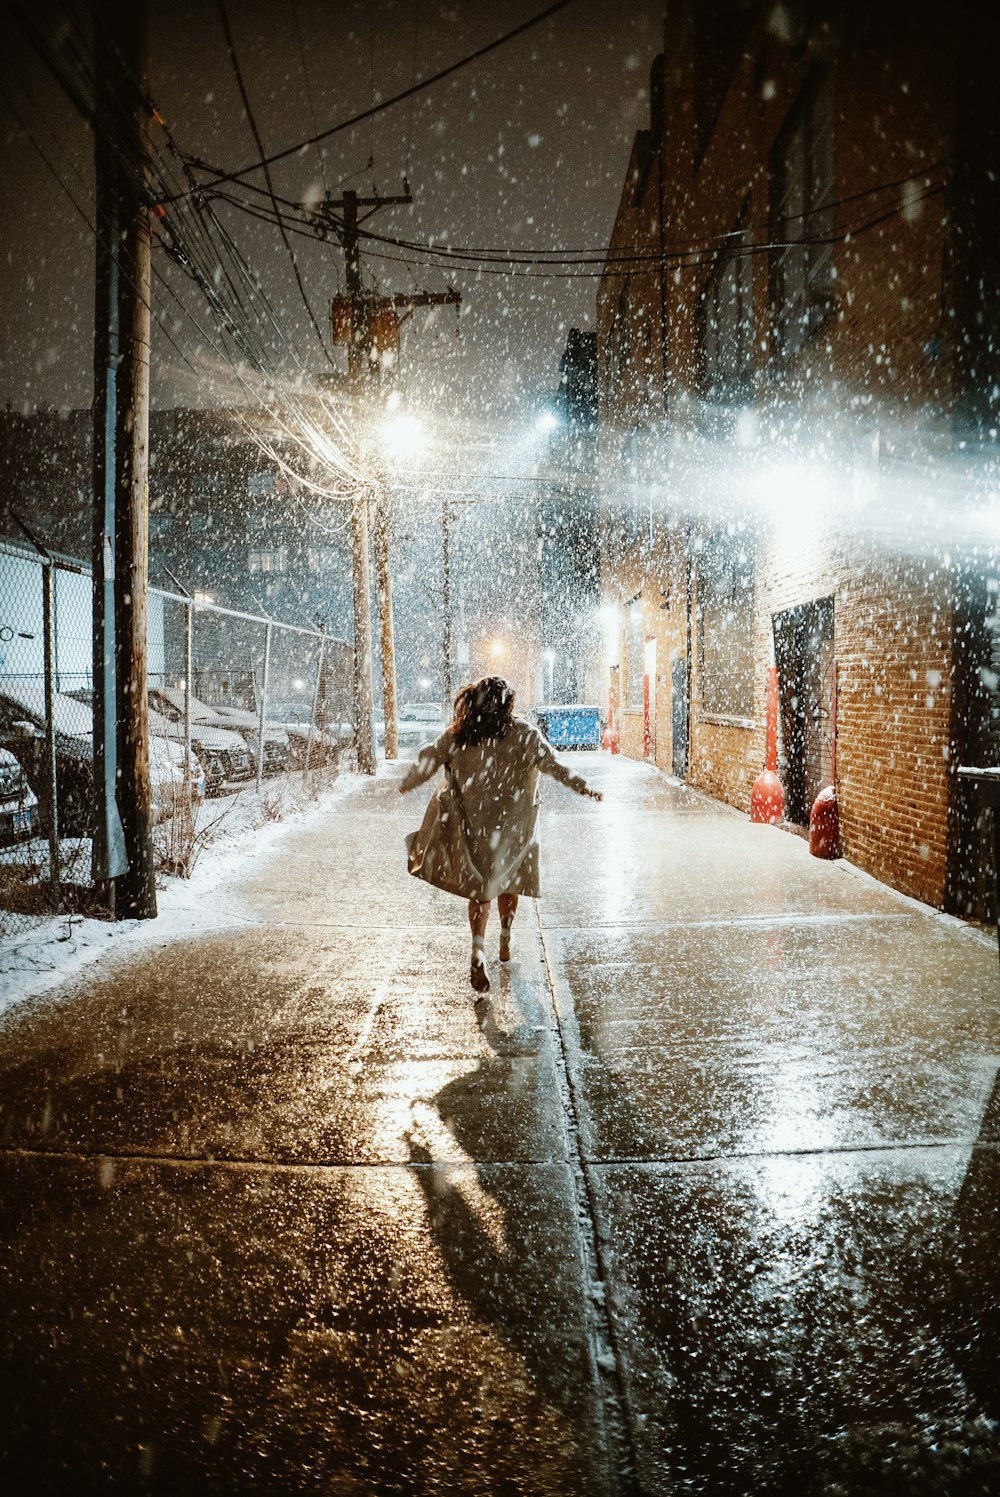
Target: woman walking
<point>479,836</point>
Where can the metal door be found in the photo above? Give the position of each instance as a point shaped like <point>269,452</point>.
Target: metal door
<point>679,717</point>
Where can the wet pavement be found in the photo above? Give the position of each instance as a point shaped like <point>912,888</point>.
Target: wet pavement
<point>706,1198</point>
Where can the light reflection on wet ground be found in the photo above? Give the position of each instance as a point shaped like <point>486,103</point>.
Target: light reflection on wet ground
<point>704,1197</point>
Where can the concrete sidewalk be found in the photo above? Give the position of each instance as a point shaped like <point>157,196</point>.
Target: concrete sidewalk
<point>706,1198</point>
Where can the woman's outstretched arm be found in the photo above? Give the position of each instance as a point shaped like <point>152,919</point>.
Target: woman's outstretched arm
<point>550,765</point>
<point>427,762</point>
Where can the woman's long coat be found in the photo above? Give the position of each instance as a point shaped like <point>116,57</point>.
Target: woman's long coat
<point>479,836</point>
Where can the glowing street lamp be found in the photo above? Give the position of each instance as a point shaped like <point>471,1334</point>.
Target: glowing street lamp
<point>404,435</point>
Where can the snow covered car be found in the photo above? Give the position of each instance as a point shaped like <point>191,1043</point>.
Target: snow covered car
<point>277,748</point>
<point>166,768</point>
<point>22,734</point>
<point>223,752</point>
<point>416,723</point>
<point>18,802</point>
<point>320,746</point>
<point>22,729</point>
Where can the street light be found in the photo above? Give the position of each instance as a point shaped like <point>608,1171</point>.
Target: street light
<point>403,435</point>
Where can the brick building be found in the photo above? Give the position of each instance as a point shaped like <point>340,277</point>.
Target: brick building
<point>798,375</point>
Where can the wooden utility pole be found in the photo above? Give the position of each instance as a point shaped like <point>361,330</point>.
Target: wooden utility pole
<point>364,322</point>
<point>383,586</point>
<point>364,735</point>
<point>123,845</point>
<point>446,675</point>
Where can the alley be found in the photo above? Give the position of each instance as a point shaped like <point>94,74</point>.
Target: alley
<point>704,1198</point>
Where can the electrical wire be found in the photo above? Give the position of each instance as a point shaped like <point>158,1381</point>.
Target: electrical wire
<point>235,321</point>
<point>612,265</point>
<point>603,257</point>
<point>267,177</point>
<point>221,176</point>
<point>313,118</point>
<point>255,435</point>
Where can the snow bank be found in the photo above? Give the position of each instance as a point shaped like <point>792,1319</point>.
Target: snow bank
<point>57,947</point>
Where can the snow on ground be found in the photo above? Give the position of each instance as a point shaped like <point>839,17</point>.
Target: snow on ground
<point>234,829</point>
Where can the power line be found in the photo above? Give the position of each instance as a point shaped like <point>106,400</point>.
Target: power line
<point>603,256</point>
<point>235,320</point>
<point>313,118</point>
<point>220,177</point>
<point>267,177</point>
<point>611,264</point>
<point>266,447</point>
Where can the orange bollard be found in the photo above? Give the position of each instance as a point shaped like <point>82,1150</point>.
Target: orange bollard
<point>767,799</point>
<point>824,818</point>
<point>824,825</point>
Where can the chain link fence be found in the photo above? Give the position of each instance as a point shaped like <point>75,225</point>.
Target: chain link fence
<point>248,716</point>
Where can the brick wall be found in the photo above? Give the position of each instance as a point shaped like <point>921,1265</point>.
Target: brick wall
<point>881,362</point>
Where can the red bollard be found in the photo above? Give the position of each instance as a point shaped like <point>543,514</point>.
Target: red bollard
<point>767,799</point>
<point>824,818</point>
<point>824,825</point>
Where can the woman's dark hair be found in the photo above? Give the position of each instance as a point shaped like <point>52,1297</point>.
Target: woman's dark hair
<point>483,709</point>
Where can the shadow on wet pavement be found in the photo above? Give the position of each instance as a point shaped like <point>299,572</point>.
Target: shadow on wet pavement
<point>285,1211</point>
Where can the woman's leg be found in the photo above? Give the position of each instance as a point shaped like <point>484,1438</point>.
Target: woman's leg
<point>479,914</point>
<point>507,905</point>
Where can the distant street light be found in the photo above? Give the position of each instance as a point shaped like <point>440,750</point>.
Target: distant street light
<point>547,421</point>
<point>498,649</point>
<point>403,435</point>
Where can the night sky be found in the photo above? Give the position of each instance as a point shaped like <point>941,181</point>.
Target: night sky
<point>526,147</point>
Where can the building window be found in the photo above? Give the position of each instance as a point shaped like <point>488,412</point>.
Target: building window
<point>725,625</point>
<point>274,560</point>
<point>726,318</point>
<point>325,559</point>
<point>634,653</point>
<point>720,32</point>
<point>802,269</point>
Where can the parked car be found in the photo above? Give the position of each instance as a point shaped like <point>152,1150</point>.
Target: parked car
<point>22,734</point>
<point>277,749</point>
<point>417,722</point>
<point>22,731</point>
<point>18,802</point>
<point>223,751</point>
<point>324,747</point>
<point>166,763</point>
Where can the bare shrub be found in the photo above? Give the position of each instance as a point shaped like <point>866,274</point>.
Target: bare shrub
<point>24,890</point>
<point>180,839</point>
<point>273,806</point>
